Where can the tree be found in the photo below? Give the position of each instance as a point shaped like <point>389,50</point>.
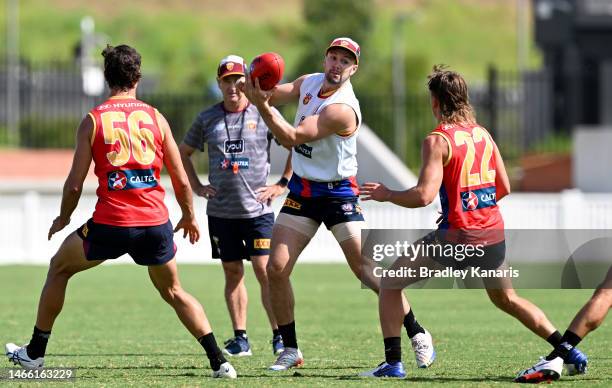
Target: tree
<point>329,19</point>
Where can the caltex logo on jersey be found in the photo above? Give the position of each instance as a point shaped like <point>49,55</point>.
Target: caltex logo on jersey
<point>469,200</point>
<point>225,164</point>
<point>251,124</point>
<point>117,180</point>
<point>307,99</point>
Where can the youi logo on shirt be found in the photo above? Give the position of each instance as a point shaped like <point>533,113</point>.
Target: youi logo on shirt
<point>233,146</point>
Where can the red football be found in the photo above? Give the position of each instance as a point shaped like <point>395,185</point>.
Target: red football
<point>268,67</point>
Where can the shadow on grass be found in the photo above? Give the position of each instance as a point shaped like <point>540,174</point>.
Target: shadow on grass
<point>206,372</point>
<point>144,367</point>
<point>121,354</point>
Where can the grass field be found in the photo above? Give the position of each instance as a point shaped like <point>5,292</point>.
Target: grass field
<point>117,332</point>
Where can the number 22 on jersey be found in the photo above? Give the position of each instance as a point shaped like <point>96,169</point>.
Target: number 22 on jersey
<point>484,176</point>
<point>137,140</point>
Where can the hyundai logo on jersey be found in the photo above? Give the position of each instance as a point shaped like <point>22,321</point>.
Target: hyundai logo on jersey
<point>478,199</point>
<point>131,179</point>
<point>234,146</point>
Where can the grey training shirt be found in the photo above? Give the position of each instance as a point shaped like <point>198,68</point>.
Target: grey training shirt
<point>248,146</point>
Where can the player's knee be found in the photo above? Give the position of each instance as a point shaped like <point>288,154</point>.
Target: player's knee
<point>374,283</point>
<point>59,268</point>
<point>261,273</point>
<point>170,294</point>
<point>363,277</point>
<point>276,272</point>
<point>234,273</point>
<point>503,299</point>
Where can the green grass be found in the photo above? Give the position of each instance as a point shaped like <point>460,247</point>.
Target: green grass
<point>117,332</point>
<point>557,143</point>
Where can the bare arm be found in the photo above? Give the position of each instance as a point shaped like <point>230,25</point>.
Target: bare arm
<point>206,191</point>
<point>268,193</point>
<point>502,182</point>
<point>286,93</point>
<point>434,152</point>
<point>186,151</point>
<point>334,119</point>
<point>180,184</point>
<point>73,186</point>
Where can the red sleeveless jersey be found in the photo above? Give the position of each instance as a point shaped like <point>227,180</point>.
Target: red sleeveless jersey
<point>127,149</point>
<point>468,192</point>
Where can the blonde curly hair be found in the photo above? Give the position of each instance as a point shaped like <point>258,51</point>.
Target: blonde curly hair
<point>451,91</point>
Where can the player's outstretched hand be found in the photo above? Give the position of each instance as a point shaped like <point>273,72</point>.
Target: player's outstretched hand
<point>268,193</point>
<point>254,93</point>
<point>190,227</point>
<point>57,225</point>
<point>206,191</point>
<point>374,191</point>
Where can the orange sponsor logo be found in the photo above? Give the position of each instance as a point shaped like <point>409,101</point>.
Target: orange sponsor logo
<point>292,204</point>
<point>261,243</point>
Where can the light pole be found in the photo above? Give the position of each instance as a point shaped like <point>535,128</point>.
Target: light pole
<point>398,71</point>
<point>522,37</point>
<point>12,58</point>
<point>91,74</point>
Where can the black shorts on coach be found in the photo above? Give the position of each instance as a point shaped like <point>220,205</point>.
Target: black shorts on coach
<point>147,245</point>
<point>233,239</point>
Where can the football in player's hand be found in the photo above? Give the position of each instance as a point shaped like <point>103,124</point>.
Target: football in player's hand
<point>268,68</point>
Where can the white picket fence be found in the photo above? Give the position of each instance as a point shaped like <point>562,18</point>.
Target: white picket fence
<point>27,210</point>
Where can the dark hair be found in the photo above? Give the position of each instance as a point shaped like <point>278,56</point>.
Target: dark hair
<point>121,66</point>
<point>450,89</point>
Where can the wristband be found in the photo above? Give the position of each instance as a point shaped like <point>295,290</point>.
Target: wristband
<point>283,182</point>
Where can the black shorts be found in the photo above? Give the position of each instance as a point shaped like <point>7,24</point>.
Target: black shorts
<point>233,239</point>
<point>147,245</point>
<point>328,210</point>
<point>464,255</point>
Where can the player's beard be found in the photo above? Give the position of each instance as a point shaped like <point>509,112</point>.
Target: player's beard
<point>329,78</point>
